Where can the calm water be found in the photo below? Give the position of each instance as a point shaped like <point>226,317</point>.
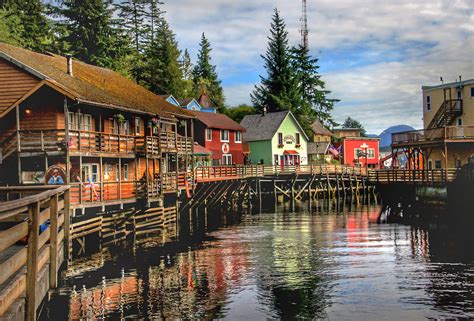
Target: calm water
<point>324,265</point>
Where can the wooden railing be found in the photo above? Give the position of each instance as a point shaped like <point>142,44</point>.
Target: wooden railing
<point>168,141</point>
<point>424,177</point>
<point>433,135</point>
<point>217,173</point>
<point>33,230</point>
<point>185,145</point>
<point>99,142</point>
<point>103,192</point>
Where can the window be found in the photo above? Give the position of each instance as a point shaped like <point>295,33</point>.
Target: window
<point>280,139</point>
<point>113,126</point>
<point>86,122</point>
<point>238,136</point>
<point>428,103</point>
<point>459,94</point>
<point>276,157</point>
<point>430,164</point>
<point>358,152</point>
<point>209,134</point>
<point>370,153</point>
<point>125,128</point>
<point>459,122</point>
<point>297,135</point>
<point>125,172</point>
<point>72,121</point>
<point>437,164</point>
<point>472,91</point>
<point>137,126</point>
<point>226,159</point>
<point>224,135</point>
<point>90,173</point>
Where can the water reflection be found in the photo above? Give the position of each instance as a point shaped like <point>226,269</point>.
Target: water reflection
<point>279,266</point>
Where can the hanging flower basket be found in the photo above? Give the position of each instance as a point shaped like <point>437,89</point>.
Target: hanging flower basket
<point>119,118</point>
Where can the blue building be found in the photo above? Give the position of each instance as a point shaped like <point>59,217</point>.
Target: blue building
<point>191,103</point>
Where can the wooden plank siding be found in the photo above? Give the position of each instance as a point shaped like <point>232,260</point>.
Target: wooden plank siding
<point>14,83</point>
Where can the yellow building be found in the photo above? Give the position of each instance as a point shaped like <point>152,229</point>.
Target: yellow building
<point>447,137</point>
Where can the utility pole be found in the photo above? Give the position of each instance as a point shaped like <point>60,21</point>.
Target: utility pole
<point>304,26</point>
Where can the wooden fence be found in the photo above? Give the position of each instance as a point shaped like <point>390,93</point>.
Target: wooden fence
<point>32,231</point>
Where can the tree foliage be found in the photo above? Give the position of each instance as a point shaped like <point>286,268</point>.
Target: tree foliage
<point>205,76</point>
<point>279,89</point>
<point>352,123</point>
<point>239,112</point>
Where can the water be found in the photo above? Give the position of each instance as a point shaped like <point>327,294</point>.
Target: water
<point>324,265</point>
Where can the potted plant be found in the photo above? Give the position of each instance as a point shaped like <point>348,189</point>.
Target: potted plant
<point>120,118</point>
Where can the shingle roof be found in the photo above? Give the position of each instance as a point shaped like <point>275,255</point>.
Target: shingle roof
<point>90,84</point>
<point>319,129</point>
<point>215,120</point>
<point>317,148</point>
<point>201,150</point>
<point>205,101</point>
<point>261,127</point>
<point>185,102</point>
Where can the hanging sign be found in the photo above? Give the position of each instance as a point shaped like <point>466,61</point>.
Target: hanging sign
<point>55,175</point>
<point>225,148</point>
<point>289,139</point>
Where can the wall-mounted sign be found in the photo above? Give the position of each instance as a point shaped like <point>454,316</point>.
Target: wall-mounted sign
<point>225,148</point>
<point>55,175</point>
<point>289,139</point>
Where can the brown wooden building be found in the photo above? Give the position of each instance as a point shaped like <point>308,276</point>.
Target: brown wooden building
<point>64,121</point>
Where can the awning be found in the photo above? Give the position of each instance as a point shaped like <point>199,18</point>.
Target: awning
<point>200,150</point>
<point>290,152</point>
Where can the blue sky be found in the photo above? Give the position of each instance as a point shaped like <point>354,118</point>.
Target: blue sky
<point>374,55</point>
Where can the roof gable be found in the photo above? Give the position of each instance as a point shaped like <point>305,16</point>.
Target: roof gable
<point>292,118</point>
<point>218,121</point>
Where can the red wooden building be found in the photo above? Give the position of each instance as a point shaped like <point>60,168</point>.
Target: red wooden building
<point>360,151</point>
<point>221,135</point>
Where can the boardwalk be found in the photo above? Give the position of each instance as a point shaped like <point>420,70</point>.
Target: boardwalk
<point>34,224</point>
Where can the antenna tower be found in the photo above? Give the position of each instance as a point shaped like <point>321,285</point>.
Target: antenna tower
<point>304,26</point>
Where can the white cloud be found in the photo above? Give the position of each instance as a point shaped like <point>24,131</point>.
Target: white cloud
<point>402,45</point>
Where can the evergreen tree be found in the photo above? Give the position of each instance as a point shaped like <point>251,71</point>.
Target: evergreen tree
<point>238,113</point>
<point>27,22</point>
<point>90,34</point>
<point>352,123</point>
<point>10,27</point>
<point>279,90</point>
<point>163,59</point>
<point>315,103</point>
<point>187,65</point>
<point>132,19</point>
<point>205,75</point>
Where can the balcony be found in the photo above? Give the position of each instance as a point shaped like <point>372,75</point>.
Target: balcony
<point>434,136</point>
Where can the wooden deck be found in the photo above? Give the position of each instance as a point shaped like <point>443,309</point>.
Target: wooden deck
<point>30,256</point>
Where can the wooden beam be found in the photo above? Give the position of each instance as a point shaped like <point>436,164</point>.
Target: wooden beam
<point>32,261</point>
<point>53,244</point>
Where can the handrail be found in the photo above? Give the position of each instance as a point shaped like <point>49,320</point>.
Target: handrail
<point>8,205</point>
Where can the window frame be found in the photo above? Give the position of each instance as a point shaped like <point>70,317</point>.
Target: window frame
<point>118,173</point>
<point>226,158</point>
<point>428,103</point>
<point>137,125</point>
<point>238,134</point>
<point>126,174</point>
<point>86,122</point>
<point>223,131</point>
<point>297,139</point>
<point>472,92</point>
<point>280,139</point>
<point>208,132</point>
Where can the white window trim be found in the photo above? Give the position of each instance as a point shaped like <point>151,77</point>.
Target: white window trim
<point>239,141</point>
<point>228,134</point>
<point>126,174</point>
<point>118,173</point>
<point>205,133</point>
<point>227,156</point>
<point>137,125</point>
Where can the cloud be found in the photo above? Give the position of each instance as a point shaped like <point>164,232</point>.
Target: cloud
<point>374,55</point>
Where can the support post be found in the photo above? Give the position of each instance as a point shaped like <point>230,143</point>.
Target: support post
<point>67,222</point>
<point>53,243</point>
<point>32,261</point>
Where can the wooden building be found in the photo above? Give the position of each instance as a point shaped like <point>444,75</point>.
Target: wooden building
<point>447,137</point>
<point>66,122</point>
<point>220,135</point>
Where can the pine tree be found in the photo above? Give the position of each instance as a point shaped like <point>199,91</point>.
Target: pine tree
<point>10,27</point>
<point>163,59</point>
<point>187,65</point>
<point>90,34</point>
<point>27,22</point>
<point>279,90</point>
<point>315,103</point>
<point>352,123</point>
<point>205,75</point>
<point>131,15</point>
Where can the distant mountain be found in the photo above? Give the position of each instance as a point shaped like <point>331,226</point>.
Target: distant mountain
<point>386,135</point>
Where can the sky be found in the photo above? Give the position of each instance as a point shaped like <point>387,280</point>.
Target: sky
<point>374,55</point>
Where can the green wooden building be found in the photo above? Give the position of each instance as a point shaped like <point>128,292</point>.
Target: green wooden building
<point>275,139</point>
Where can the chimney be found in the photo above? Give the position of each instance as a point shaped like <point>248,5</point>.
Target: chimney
<point>69,64</point>
<point>460,78</point>
<point>264,111</point>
